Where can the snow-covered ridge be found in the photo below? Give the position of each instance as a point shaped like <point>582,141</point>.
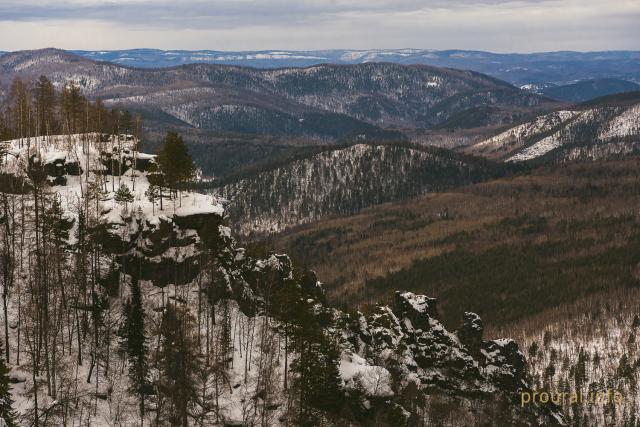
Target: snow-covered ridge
<point>597,126</point>
<point>626,124</point>
<point>523,131</point>
<point>553,141</point>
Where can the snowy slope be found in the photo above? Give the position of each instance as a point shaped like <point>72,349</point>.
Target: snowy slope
<point>582,133</point>
<point>88,152</point>
<point>605,330</point>
<point>516,135</point>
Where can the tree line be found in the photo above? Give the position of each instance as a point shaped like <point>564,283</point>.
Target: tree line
<point>39,109</point>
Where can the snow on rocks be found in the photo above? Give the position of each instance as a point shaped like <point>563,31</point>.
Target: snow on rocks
<point>93,155</point>
<point>391,352</point>
<point>373,381</point>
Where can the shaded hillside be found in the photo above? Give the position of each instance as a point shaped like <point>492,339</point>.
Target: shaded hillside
<point>589,89</point>
<point>345,180</point>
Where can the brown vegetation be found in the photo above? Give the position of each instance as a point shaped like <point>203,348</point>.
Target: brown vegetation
<point>588,208</point>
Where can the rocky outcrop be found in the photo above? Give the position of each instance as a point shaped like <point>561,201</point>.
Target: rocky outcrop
<point>426,361</point>
<point>159,251</point>
<point>470,334</point>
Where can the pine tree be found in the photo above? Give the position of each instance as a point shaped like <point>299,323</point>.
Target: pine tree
<point>179,366</point>
<point>533,349</point>
<point>6,401</point>
<point>123,196</point>
<point>126,122</point>
<point>624,368</point>
<point>175,162</point>
<point>135,344</point>
<point>152,194</point>
<point>45,98</point>
<point>73,104</point>
<point>317,380</point>
<point>55,225</point>
<point>21,109</point>
<point>285,300</point>
<point>581,369</point>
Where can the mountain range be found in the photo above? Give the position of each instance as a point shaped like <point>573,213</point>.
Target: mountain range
<point>317,104</point>
<point>533,213</point>
<point>518,69</point>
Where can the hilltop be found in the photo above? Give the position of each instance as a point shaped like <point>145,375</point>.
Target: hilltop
<point>343,181</point>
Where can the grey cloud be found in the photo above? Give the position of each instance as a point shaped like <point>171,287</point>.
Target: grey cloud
<point>498,25</point>
<point>228,14</point>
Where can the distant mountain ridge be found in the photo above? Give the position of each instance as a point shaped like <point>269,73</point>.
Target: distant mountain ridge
<point>516,68</point>
<point>322,101</point>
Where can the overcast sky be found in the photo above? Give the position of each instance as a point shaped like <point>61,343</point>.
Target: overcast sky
<point>494,25</point>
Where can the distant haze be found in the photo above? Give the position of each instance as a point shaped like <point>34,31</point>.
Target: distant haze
<point>492,25</point>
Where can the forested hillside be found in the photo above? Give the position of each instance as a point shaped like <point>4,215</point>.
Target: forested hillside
<point>539,238</point>
<point>590,89</point>
<point>592,345</point>
<point>548,256</point>
<point>343,181</point>
<point>530,70</point>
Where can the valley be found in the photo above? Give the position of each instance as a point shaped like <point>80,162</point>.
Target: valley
<point>544,237</point>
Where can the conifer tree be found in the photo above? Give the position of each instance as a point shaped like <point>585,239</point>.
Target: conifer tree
<point>123,196</point>
<point>126,122</point>
<point>179,366</point>
<point>21,109</point>
<point>317,380</point>
<point>156,184</point>
<point>135,344</point>
<point>73,104</point>
<point>152,193</point>
<point>45,98</point>
<point>175,162</point>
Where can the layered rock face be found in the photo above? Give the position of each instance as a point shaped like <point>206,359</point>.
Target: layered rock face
<point>452,371</point>
<point>149,242</point>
